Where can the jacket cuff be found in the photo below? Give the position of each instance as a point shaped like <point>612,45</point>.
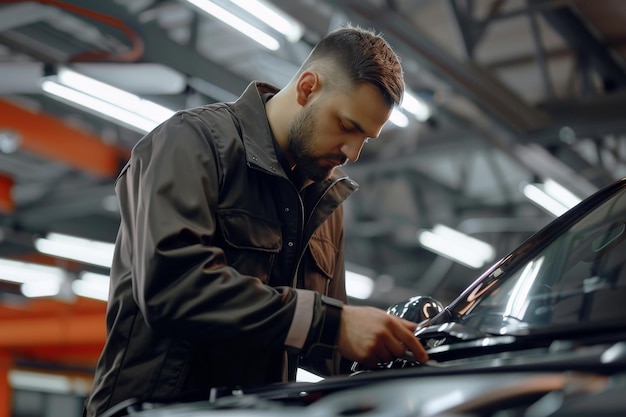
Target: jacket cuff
<point>302,320</point>
<point>326,344</point>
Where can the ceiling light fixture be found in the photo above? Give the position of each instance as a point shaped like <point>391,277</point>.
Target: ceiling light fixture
<point>237,23</point>
<point>104,100</point>
<point>92,285</point>
<point>411,105</point>
<point>358,285</point>
<point>36,280</point>
<point>43,383</point>
<point>415,106</point>
<point>550,196</point>
<point>78,249</point>
<point>25,272</point>
<point>41,288</point>
<point>456,246</point>
<point>276,18</point>
<point>398,118</point>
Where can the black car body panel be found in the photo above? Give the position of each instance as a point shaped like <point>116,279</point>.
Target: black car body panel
<point>540,333</point>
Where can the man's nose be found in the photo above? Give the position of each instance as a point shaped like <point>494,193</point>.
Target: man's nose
<point>352,149</point>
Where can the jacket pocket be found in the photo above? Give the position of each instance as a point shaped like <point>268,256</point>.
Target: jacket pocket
<point>252,242</point>
<point>322,262</point>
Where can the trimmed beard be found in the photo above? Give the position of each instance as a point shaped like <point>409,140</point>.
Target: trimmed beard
<point>301,147</point>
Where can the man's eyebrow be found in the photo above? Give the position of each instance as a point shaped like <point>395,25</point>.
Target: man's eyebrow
<point>357,125</point>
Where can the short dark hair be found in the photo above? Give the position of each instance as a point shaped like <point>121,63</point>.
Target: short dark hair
<point>364,56</point>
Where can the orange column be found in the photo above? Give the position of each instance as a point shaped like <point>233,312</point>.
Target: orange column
<point>46,136</point>
<point>6,200</point>
<point>5,389</point>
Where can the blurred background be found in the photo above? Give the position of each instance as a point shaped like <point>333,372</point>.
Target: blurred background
<point>514,112</point>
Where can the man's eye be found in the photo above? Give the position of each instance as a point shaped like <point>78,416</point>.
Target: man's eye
<point>347,128</point>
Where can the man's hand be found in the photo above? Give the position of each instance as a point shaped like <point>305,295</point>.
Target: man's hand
<point>369,336</point>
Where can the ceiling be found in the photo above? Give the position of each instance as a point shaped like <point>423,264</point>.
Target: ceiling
<point>519,91</point>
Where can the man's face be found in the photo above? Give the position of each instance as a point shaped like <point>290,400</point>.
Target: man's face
<point>332,129</point>
<point>303,147</point>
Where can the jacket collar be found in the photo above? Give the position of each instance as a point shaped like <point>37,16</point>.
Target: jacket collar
<point>256,134</point>
<point>258,140</point>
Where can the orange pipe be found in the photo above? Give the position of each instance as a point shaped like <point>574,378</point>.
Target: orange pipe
<point>51,138</point>
<point>6,200</point>
<point>52,330</point>
<point>40,258</point>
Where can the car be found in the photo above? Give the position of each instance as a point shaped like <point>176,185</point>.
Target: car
<point>542,332</point>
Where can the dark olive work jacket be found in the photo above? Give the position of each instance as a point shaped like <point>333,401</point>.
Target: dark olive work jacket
<point>222,268</point>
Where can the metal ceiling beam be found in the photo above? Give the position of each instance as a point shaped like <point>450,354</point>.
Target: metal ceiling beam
<point>580,38</point>
<point>60,207</point>
<point>468,78</point>
<point>472,29</point>
<point>513,118</point>
<point>584,118</point>
<point>593,116</point>
<point>161,48</point>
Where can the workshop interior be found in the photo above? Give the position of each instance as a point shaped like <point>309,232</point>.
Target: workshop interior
<point>514,112</point>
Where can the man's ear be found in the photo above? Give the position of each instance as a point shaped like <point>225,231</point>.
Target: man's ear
<point>308,83</point>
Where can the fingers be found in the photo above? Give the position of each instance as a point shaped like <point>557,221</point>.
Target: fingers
<point>415,347</point>
<point>409,324</point>
<point>397,346</point>
<point>411,343</point>
<point>370,336</point>
<point>390,350</point>
<point>395,349</point>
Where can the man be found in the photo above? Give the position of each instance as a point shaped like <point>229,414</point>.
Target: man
<point>229,266</point>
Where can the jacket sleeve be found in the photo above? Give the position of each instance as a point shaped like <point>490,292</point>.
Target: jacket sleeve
<point>322,357</point>
<point>181,281</point>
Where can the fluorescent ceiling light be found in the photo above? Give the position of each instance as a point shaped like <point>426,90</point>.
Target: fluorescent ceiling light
<point>550,196</point>
<point>540,198</point>
<point>112,94</point>
<point>358,285</point>
<point>39,382</point>
<point>26,272</point>
<point>560,193</point>
<point>237,23</point>
<point>105,100</point>
<point>37,280</point>
<point>415,106</point>
<point>398,118</point>
<point>456,246</point>
<point>411,105</point>
<point>47,281</point>
<point>48,382</point>
<point>282,22</point>
<point>41,288</point>
<point>82,250</point>
<point>92,285</point>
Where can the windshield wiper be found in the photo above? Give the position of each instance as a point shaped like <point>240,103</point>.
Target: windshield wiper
<point>435,334</point>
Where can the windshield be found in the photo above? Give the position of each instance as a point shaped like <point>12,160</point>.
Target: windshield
<point>577,279</point>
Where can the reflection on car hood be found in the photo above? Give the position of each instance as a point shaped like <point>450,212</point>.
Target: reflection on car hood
<point>406,397</point>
